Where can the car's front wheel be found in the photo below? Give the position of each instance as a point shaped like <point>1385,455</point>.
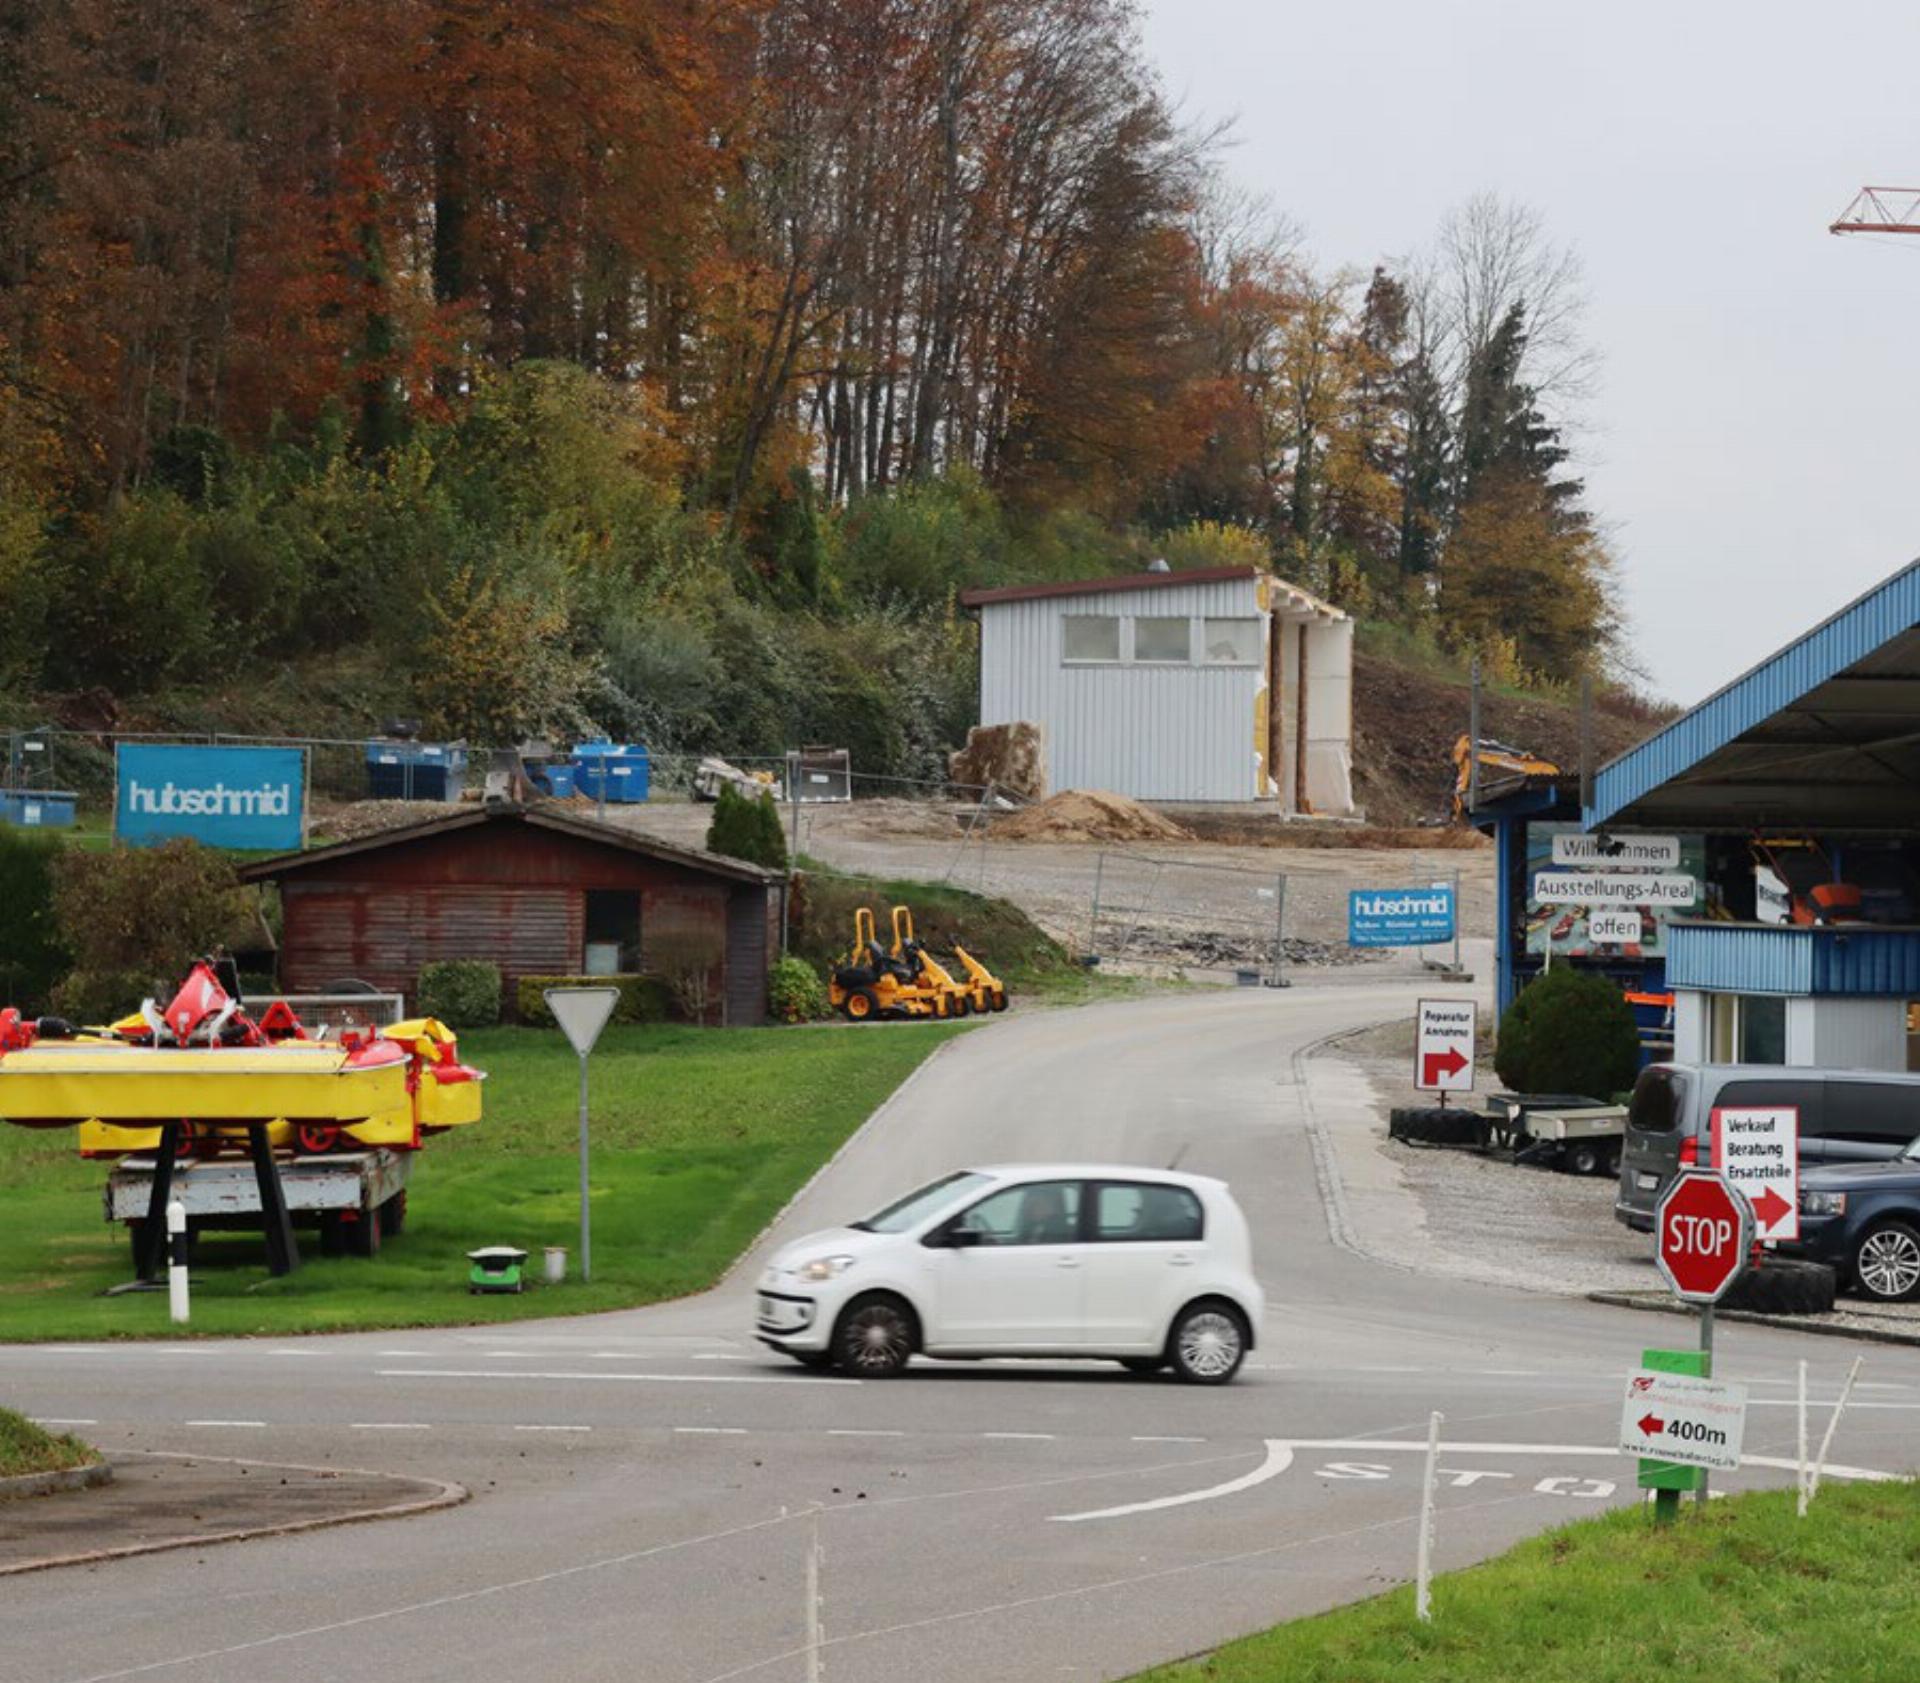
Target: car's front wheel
<point>1208,1343</point>
<point>875,1338</point>
<point>1887,1263</point>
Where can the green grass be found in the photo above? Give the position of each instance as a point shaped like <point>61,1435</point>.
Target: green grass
<point>698,1138</point>
<point>1742,1592</point>
<point>25,1448</point>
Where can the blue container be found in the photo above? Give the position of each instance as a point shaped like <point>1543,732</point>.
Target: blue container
<point>415,771</point>
<point>37,809</point>
<point>557,779</point>
<point>617,773</point>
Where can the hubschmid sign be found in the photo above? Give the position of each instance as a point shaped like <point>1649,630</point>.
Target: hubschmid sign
<point>1443,1046</point>
<point>1758,1149</point>
<point>1702,1232</point>
<point>1400,917</point>
<point>224,797</point>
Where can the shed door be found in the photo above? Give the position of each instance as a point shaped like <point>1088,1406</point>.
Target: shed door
<point>747,955</point>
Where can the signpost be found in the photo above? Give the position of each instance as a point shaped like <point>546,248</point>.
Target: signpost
<point>1703,1237</point>
<point>582,1013</point>
<point>1757,1148</point>
<point>1683,1421</point>
<point>1443,1047</point>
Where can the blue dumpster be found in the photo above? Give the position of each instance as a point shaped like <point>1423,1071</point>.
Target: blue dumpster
<point>557,779</point>
<point>37,809</point>
<point>611,771</point>
<point>415,771</point>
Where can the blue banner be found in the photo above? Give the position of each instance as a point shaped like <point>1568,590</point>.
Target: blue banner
<point>252,798</point>
<point>1400,917</point>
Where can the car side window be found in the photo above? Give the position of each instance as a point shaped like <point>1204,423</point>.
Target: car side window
<point>1044,1212</point>
<point>1126,1211</point>
<point>1872,1112</point>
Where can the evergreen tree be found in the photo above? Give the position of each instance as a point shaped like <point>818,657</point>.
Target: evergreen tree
<point>747,827</point>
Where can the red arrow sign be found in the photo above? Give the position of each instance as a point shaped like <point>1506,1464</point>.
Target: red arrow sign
<point>1437,1065</point>
<point>1650,1426</point>
<point>1771,1208</point>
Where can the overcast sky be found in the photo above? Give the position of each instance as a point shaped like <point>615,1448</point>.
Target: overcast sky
<point>1752,444</point>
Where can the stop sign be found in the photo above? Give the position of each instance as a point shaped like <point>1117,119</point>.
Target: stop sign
<point>1703,1232</point>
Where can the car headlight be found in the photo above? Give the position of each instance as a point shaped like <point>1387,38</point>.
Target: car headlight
<point>823,1267</point>
<point>1823,1203</point>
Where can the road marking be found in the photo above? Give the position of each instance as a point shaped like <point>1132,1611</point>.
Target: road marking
<point>389,1426</point>
<point>258,1423</point>
<point>1279,1459</point>
<point>43,1420</point>
<point>299,1352</point>
<point>713,1431</point>
<point>553,1428</point>
<point>860,1432</point>
<point>1027,1437</point>
<point>1166,1440</point>
<point>410,1355</point>
<point>1777,1463</point>
<point>638,1378</point>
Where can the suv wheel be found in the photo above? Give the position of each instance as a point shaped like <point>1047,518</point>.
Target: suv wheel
<point>1887,1263</point>
<point>875,1338</point>
<point>1208,1343</point>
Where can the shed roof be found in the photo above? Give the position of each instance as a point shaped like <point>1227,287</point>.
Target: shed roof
<point>1823,735</point>
<point>1095,587</point>
<point>534,817</point>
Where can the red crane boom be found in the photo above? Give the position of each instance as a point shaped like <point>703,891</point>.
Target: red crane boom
<point>1880,210</point>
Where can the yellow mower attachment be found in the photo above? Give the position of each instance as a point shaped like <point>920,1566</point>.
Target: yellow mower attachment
<point>985,991</point>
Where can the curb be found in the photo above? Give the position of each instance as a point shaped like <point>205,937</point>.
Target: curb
<point>23,1485</point>
<point>1789,1323</point>
<point>443,1495</point>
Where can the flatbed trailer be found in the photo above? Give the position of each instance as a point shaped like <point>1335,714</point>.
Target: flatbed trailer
<point>1570,1132</point>
<point>354,1198</point>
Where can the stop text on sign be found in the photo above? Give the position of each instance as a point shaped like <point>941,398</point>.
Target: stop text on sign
<point>1700,1235</point>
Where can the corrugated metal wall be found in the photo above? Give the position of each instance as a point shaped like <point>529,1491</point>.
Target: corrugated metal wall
<point>1170,733</point>
<point>1737,958</point>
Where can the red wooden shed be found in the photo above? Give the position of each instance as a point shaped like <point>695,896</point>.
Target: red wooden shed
<point>533,889</point>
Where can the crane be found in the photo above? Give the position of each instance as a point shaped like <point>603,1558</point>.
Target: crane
<point>1880,210</point>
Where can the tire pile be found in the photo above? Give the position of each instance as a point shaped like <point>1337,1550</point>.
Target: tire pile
<point>1434,1125</point>
<point>1783,1286</point>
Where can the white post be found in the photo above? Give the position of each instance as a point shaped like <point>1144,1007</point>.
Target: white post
<point>177,1305</point>
<point>1803,1439</point>
<point>1423,1571</point>
<point>1826,1443</point>
<point>586,1219</point>
<point>814,1632</point>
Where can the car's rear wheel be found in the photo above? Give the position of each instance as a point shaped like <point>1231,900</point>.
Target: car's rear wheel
<point>1208,1343</point>
<point>1887,1263</point>
<point>861,1006</point>
<point>874,1338</point>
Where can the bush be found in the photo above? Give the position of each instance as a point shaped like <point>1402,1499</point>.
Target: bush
<point>1570,1031</point>
<point>105,996</point>
<point>643,999</point>
<point>32,957</point>
<point>795,992</point>
<point>463,993</point>
<point>147,913</point>
<point>747,828</point>
<point>690,958</point>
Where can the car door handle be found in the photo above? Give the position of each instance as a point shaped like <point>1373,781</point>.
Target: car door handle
<point>1066,1262</point>
<point>1180,1259</point>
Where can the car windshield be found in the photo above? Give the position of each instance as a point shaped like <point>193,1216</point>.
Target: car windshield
<point>916,1206</point>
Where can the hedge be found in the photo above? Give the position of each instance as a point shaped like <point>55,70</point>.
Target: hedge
<point>643,999</point>
<point>463,993</point>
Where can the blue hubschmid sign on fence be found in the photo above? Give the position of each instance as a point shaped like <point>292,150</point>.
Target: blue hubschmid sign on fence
<point>225,797</point>
<point>1400,917</point>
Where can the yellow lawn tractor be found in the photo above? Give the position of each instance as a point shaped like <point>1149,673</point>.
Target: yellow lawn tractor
<point>907,980</point>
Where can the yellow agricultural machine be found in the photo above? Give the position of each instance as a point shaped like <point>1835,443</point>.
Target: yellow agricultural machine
<point>906,980</point>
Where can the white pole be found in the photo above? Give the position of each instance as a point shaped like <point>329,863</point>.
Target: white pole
<point>177,1305</point>
<point>586,1219</point>
<point>1803,1438</point>
<point>1826,1443</point>
<point>1423,1571</point>
<point>813,1604</point>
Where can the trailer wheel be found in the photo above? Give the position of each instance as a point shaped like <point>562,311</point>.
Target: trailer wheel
<point>1784,1286</point>
<point>393,1215</point>
<point>361,1229</point>
<point>1584,1158</point>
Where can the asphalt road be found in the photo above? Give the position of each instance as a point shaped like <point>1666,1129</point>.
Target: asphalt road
<point>649,1485</point>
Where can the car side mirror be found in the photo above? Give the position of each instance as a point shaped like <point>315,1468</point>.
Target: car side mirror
<point>955,1238</point>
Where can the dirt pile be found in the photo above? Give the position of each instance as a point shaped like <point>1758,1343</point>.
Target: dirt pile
<point>359,819</point>
<point>1087,815</point>
<point>1007,756</point>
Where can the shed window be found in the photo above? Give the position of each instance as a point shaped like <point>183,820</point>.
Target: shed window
<point>1232,642</point>
<point>1162,639</point>
<point>612,932</point>
<point>1090,637</point>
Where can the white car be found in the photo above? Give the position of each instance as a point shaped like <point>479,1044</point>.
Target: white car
<point>1143,1266</point>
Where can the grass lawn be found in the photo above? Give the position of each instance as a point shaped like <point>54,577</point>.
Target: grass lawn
<point>1743,1592</point>
<point>698,1138</point>
<point>25,1448</point>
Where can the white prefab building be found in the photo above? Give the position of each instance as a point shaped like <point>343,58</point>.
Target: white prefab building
<point>1220,684</point>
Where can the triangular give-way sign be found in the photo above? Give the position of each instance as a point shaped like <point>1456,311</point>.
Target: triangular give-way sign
<point>582,1013</point>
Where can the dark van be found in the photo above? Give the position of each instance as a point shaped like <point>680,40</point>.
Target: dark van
<point>1846,1116</point>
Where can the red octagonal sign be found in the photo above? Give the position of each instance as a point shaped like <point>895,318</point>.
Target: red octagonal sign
<point>1703,1234</point>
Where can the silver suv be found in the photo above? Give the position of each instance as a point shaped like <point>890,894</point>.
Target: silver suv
<point>1846,1116</point>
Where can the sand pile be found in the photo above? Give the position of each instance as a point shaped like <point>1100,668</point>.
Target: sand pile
<point>1086,815</point>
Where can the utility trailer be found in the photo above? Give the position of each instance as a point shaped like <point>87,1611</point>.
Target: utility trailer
<point>1569,1131</point>
<point>354,1198</point>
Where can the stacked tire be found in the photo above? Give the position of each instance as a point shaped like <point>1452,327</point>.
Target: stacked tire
<point>1783,1286</point>
<point>1433,1125</point>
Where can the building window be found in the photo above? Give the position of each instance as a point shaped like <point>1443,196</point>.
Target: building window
<point>1090,637</point>
<point>1168,641</point>
<point>1231,642</point>
<point>1747,1028</point>
<point>612,933</point>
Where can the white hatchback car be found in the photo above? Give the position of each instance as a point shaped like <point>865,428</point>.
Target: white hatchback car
<point>1143,1266</point>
